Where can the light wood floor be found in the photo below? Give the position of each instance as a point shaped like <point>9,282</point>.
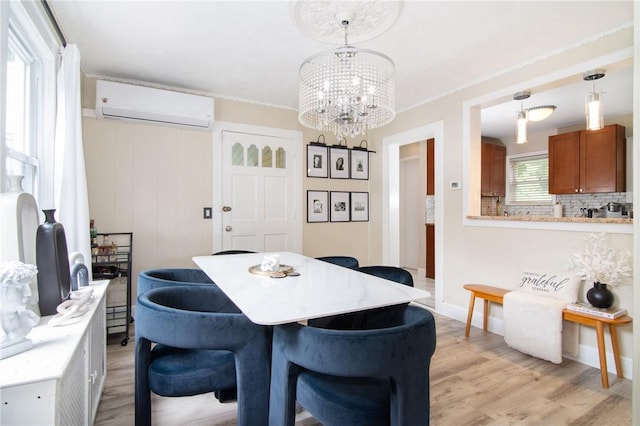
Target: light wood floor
<point>480,381</point>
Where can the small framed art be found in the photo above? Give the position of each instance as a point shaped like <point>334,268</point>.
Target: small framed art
<point>339,205</point>
<point>339,163</point>
<point>359,164</point>
<point>360,206</point>
<point>317,161</point>
<point>317,206</point>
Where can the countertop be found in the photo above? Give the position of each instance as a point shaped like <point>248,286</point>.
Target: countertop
<point>553,219</point>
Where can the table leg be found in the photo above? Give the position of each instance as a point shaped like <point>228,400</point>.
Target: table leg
<point>616,352</point>
<point>470,314</point>
<point>485,317</point>
<point>602,354</point>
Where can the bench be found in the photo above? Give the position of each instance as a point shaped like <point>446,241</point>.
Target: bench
<point>496,295</point>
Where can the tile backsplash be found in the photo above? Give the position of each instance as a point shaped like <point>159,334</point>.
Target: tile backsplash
<point>572,203</point>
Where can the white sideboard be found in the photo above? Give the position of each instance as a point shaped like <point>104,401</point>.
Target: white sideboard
<point>58,381</point>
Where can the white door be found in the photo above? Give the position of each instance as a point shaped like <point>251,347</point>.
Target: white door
<point>260,197</point>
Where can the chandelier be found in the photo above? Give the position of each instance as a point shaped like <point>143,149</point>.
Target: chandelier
<point>347,90</point>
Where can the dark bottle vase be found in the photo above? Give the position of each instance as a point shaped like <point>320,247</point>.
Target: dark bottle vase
<point>600,296</point>
<point>52,259</point>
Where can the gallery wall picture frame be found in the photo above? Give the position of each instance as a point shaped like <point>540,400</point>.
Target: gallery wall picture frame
<point>359,164</point>
<point>339,163</point>
<point>317,161</point>
<point>359,206</point>
<point>339,204</point>
<point>317,206</point>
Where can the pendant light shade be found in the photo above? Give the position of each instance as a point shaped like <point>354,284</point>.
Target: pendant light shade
<point>521,123</point>
<point>521,135</point>
<point>593,102</point>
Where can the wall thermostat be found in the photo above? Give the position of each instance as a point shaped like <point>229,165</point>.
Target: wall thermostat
<point>455,184</point>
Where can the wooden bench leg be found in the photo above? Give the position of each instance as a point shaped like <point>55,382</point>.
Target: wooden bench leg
<point>485,316</point>
<point>472,301</point>
<point>616,351</point>
<point>603,355</point>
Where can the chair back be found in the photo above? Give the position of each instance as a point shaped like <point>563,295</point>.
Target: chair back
<point>346,261</point>
<point>232,252</point>
<point>157,278</point>
<point>391,273</point>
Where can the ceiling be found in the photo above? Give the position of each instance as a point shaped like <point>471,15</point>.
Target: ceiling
<point>252,50</point>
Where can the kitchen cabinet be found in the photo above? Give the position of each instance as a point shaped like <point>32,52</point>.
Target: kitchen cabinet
<point>588,161</point>
<point>59,381</point>
<point>493,174</point>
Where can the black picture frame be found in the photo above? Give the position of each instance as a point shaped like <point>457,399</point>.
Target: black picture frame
<point>359,206</point>
<point>339,204</point>
<point>339,163</point>
<point>359,164</point>
<point>317,161</point>
<point>317,206</point>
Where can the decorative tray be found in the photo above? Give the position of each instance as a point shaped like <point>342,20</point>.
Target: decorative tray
<point>282,270</point>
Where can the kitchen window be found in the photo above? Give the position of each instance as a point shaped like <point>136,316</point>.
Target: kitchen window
<point>528,179</point>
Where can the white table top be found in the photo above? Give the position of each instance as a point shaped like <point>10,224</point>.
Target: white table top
<point>322,289</point>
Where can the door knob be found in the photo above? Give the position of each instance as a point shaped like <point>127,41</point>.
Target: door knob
<point>225,208</point>
<point>228,228</point>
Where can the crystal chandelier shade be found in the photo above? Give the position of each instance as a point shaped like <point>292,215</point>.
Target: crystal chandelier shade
<point>346,91</point>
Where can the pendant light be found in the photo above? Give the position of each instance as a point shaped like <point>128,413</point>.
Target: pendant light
<point>593,101</point>
<point>521,127</point>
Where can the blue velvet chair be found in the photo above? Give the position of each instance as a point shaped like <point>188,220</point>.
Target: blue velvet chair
<point>203,344</point>
<point>157,278</point>
<point>346,261</point>
<point>377,375</point>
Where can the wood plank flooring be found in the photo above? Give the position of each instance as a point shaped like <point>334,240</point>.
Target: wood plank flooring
<point>480,381</point>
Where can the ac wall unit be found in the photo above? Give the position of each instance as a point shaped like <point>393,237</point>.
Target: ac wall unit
<point>145,104</point>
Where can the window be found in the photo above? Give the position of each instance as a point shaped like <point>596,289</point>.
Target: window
<point>28,63</point>
<point>23,75</point>
<point>528,179</point>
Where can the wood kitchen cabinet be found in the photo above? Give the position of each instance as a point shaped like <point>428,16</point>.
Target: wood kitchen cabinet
<point>493,174</point>
<point>588,161</point>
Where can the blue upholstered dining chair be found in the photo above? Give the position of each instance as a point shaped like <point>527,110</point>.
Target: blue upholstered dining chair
<point>377,375</point>
<point>346,261</point>
<point>203,344</point>
<point>157,278</point>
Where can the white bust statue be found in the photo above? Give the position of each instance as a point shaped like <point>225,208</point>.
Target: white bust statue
<point>15,290</point>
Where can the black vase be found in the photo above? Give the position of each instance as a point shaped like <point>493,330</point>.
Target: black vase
<point>52,259</point>
<point>600,296</point>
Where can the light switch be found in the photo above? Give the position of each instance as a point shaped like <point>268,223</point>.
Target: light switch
<point>207,212</point>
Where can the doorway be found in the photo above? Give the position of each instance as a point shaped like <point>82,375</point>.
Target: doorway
<point>391,195</point>
<point>411,207</point>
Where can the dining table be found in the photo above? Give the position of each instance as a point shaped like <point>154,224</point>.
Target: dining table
<point>308,288</point>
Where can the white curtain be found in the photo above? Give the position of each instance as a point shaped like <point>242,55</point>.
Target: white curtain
<point>70,191</point>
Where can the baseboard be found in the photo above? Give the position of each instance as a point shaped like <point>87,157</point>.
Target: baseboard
<point>587,355</point>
